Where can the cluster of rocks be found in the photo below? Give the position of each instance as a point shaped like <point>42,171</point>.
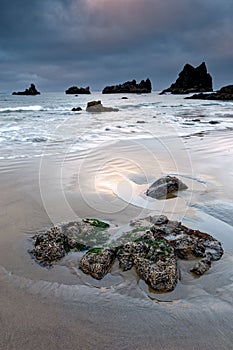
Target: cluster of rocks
<point>56,242</point>
<point>224,94</point>
<point>154,253</point>
<point>129,87</point>
<point>30,91</point>
<point>97,107</point>
<point>191,80</point>
<point>76,109</point>
<point>76,90</point>
<point>165,186</point>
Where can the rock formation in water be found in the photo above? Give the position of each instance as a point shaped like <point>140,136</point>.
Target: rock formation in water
<point>129,87</point>
<point>191,80</point>
<point>224,94</point>
<point>76,109</point>
<point>153,246</point>
<point>76,90</point>
<point>97,107</point>
<point>164,186</point>
<point>30,91</point>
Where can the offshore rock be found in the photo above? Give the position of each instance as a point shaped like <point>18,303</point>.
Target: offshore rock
<point>191,80</point>
<point>164,186</point>
<point>224,94</point>
<point>97,107</point>
<point>76,109</point>
<point>129,87</point>
<point>76,90</point>
<point>97,262</point>
<point>30,91</point>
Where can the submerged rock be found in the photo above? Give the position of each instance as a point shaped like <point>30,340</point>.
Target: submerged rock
<point>97,107</point>
<point>191,80</point>
<point>224,94</point>
<point>76,90</point>
<point>164,186</point>
<point>30,91</point>
<point>201,267</point>
<point>129,87</point>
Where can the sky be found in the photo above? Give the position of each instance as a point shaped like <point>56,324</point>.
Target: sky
<point>59,43</point>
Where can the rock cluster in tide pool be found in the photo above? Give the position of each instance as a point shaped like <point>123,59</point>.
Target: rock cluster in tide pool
<point>152,246</point>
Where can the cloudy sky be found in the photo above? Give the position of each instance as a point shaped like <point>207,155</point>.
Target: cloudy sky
<point>59,43</point>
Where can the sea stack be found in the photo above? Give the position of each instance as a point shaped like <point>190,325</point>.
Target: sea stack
<point>76,90</point>
<point>129,87</point>
<point>190,80</point>
<point>30,91</point>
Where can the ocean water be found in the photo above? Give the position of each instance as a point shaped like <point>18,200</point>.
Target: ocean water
<point>32,125</point>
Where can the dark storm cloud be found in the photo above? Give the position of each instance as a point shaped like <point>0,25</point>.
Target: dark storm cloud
<point>56,43</point>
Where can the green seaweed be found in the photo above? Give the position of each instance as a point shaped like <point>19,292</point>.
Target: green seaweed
<point>96,223</point>
<point>140,229</point>
<point>95,250</point>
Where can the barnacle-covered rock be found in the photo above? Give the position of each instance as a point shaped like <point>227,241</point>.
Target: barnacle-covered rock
<point>97,262</point>
<point>161,275</point>
<point>152,245</point>
<point>201,266</point>
<point>76,236</point>
<point>50,246</point>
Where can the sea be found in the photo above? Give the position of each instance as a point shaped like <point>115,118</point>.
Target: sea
<point>28,124</point>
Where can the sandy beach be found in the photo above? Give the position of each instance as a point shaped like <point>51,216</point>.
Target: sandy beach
<point>61,307</point>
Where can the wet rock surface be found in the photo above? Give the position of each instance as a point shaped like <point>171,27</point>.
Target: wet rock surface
<point>30,91</point>
<point>224,94</point>
<point>129,87</point>
<point>56,242</point>
<point>201,267</point>
<point>190,80</point>
<point>153,250</point>
<point>97,107</point>
<point>97,262</point>
<point>164,186</point>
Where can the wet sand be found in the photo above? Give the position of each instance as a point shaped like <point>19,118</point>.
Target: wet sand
<point>60,307</point>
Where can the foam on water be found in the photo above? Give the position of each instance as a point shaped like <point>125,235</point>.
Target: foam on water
<point>49,117</point>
